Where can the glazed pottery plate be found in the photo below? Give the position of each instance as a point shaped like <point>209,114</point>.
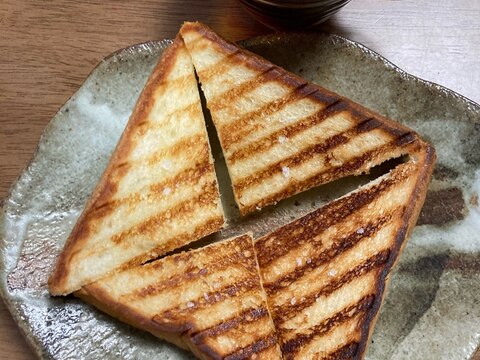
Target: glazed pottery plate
<point>432,309</point>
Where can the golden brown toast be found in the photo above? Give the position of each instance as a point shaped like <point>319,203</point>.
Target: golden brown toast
<point>281,134</point>
<point>209,300</point>
<point>325,274</point>
<point>159,190</point>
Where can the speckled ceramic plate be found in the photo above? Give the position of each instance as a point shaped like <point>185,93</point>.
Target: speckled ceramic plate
<point>432,310</point>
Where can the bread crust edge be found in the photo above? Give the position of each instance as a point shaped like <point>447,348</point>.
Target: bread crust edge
<point>408,221</point>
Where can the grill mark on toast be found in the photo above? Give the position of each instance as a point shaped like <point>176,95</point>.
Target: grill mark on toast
<point>105,193</point>
<point>297,186</point>
<point>318,221</point>
<point>255,348</point>
<point>148,124</point>
<point>292,346</point>
<point>219,68</point>
<point>187,177</point>
<point>181,210</point>
<point>213,297</point>
<point>167,84</point>
<point>209,226</point>
<point>172,150</point>
<point>405,138</point>
<point>327,255</point>
<point>369,124</point>
<point>302,125</point>
<point>244,317</point>
<point>145,125</point>
<point>189,108</point>
<point>225,99</point>
<point>286,311</point>
<point>347,351</point>
<point>207,33</point>
<point>189,276</point>
<point>181,146</point>
<point>402,136</point>
<point>123,164</point>
<point>243,242</point>
<point>292,161</point>
<point>233,132</point>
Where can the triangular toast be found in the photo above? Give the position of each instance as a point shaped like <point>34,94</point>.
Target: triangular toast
<point>325,274</point>
<point>159,190</point>
<point>209,300</point>
<point>281,134</point>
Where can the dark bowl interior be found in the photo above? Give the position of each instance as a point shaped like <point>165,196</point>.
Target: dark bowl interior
<point>289,14</point>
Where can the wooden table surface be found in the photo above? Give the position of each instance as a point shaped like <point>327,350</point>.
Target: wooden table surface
<point>48,48</point>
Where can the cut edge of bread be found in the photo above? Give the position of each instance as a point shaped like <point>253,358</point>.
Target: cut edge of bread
<point>426,157</point>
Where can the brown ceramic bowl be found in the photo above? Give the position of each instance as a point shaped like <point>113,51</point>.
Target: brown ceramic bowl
<point>291,14</point>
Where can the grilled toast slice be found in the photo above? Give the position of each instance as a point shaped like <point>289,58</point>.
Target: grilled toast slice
<point>281,134</point>
<point>159,190</point>
<point>325,274</point>
<point>209,300</point>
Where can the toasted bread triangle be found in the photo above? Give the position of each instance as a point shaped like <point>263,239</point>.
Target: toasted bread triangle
<point>281,134</point>
<point>325,274</point>
<point>159,190</point>
<point>209,300</point>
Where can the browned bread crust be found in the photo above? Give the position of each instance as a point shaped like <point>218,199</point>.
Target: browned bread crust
<point>257,107</point>
<point>120,198</point>
<point>208,300</point>
<point>325,274</point>
<point>425,158</point>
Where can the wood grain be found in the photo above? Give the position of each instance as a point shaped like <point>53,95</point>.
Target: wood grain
<point>48,48</point>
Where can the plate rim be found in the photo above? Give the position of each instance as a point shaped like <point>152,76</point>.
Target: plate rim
<point>21,324</point>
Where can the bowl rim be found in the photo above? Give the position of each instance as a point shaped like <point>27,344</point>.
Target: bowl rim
<point>291,4</point>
